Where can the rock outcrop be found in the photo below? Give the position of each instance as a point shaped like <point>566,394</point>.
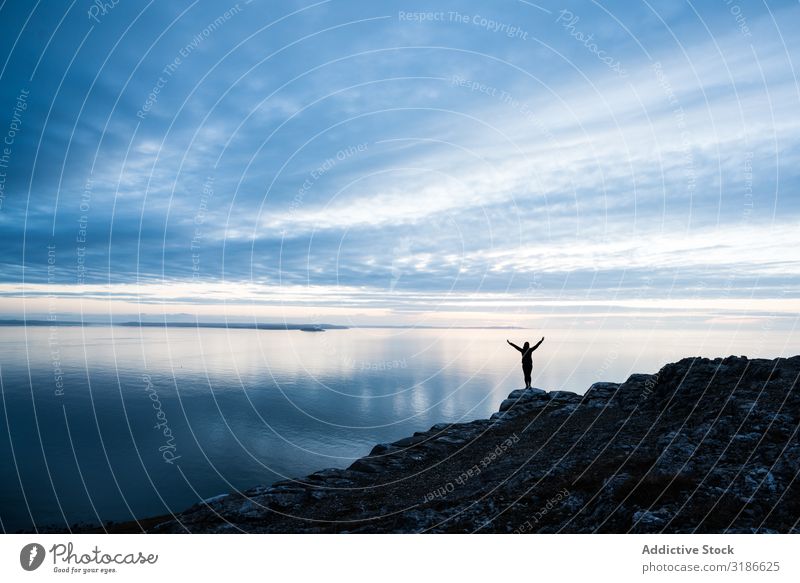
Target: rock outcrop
<point>700,446</point>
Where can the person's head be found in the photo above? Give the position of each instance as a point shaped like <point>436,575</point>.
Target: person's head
<point>526,346</point>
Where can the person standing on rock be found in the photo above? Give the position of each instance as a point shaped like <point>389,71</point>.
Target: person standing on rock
<point>527,359</point>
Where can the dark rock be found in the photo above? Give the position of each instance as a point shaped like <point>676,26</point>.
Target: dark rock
<point>525,394</point>
<point>382,449</point>
<point>410,441</point>
<point>366,465</point>
<point>564,397</point>
<point>602,390</point>
<point>439,427</point>
<point>524,397</point>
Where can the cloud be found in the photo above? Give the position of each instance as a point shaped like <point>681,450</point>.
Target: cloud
<point>347,150</point>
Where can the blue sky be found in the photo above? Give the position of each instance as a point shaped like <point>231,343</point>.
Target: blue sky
<point>503,163</point>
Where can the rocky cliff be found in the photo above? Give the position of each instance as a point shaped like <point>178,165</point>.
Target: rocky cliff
<point>700,446</point>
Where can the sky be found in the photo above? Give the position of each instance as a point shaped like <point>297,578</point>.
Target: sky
<point>415,163</point>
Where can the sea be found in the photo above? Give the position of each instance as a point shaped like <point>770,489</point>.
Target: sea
<point>116,423</point>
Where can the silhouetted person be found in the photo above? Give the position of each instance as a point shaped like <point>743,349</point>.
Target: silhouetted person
<point>527,359</point>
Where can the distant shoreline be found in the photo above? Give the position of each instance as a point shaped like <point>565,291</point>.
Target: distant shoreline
<point>242,325</point>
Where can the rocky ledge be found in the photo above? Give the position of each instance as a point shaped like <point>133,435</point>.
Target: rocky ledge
<point>700,446</point>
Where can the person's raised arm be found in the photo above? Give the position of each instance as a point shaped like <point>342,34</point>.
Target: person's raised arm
<point>514,345</point>
<point>537,344</point>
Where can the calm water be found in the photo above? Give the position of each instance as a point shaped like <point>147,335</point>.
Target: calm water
<point>143,422</point>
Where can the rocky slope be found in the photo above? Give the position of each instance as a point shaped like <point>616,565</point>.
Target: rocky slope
<point>701,446</point>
